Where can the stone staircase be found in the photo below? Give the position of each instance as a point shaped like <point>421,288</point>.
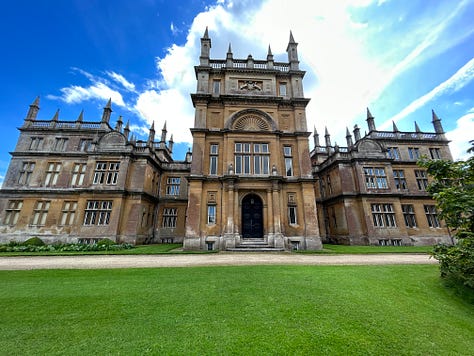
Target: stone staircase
<point>254,245</point>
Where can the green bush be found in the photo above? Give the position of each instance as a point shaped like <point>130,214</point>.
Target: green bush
<point>106,242</point>
<point>33,241</point>
<point>457,262</point>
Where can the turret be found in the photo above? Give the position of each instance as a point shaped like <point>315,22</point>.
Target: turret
<point>205,49</point>
<point>437,123</point>
<point>417,128</point>
<point>269,58</point>
<point>170,144</point>
<point>370,121</point>
<point>56,116</point>
<point>126,130</point>
<point>80,118</point>
<point>356,132</point>
<point>107,112</point>
<point>327,138</point>
<point>151,134</point>
<point>316,137</point>
<point>33,110</point>
<point>118,125</point>
<point>163,136</point>
<point>292,51</point>
<point>395,128</point>
<point>348,138</point>
<point>229,58</point>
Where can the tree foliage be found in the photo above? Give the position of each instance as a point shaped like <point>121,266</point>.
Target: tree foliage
<point>453,190</point>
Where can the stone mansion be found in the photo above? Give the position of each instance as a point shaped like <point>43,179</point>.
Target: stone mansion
<point>250,182</point>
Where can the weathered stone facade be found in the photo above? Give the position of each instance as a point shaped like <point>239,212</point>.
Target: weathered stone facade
<point>250,181</point>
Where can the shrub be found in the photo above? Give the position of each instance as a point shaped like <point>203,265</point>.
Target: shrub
<point>33,241</point>
<point>106,242</point>
<point>457,262</point>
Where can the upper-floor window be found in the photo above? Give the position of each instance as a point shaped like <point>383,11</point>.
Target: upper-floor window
<point>421,179</point>
<point>36,143</point>
<point>400,180</point>
<point>216,87</point>
<point>393,153</point>
<point>375,178</point>
<point>413,153</point>
<point>435,153</point>
<point>287,153</point>
<point>85,144</point>
<point>52,173</point>
<point>172,185</point>
<point>106,172</point>
<point>213,158</point>
<point>12,212</point>
<point>252,158</point>
<point>98,212</point>
<point>60,144</point>
<point>328,180</point>
<point>383,215</point>
<point>282,89</point>
<point>26,172</point>
<point>40,212</point>
<point>78,173</point>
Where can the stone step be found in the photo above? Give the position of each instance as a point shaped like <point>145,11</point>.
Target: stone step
<point>255,249</point>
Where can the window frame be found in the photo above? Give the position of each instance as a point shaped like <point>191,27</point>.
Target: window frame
<point>383,215</point>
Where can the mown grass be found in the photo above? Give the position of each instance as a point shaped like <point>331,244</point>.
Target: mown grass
<point>375,249</point>
<point>245,310</point>
<point>176,248</point>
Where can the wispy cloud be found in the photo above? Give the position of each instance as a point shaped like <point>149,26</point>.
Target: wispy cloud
<point>119,78</point>
<point>2,178</point>
<point>99,89</point>
<point>456,82</point>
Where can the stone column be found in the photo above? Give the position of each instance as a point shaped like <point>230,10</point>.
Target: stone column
<point>278,236</point>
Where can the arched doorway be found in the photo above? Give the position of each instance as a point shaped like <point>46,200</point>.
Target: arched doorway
<point>252,217</point>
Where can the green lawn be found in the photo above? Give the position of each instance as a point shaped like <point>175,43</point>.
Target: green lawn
<point>376,249</point>
<point>245,310</point>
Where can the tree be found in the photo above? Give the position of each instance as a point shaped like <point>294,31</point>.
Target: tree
<point>453,190</point>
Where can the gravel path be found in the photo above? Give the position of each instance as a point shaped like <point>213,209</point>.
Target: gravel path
<point>218,259</point>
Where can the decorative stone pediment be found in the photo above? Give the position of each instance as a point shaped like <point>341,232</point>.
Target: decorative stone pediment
<point>251,120</point>
<point>112,141</point>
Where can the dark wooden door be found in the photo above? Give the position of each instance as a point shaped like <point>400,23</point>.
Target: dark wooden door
<point>252,217</point>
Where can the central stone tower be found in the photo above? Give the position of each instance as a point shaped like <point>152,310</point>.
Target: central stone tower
<point>250,183</point>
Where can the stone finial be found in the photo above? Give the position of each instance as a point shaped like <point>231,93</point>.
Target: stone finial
<point>56,116</point>
<point>417,128</point>
<point>348,138</point>
<point>356,132</point>
<point>126,130</point>
<point>170,144</point>
<point>327,137</point>
<point>33,110</point>
<point>370,121</point>
<point>315,137</point>
<point>107,111</point>
<point>119,124</point>
<point>437,123</point>
<point>292,50</point>
<point>274,170</point>
<point>80,118</point>
<point>395,128</point>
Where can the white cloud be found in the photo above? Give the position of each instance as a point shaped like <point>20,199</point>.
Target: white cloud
<point>119,78</point>
<point>456,82</point>
<point>2,177</point>
<point>461,135</point>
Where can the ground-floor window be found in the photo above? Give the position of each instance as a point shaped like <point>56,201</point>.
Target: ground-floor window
<point>211,214</point>
<point>98,212</point>
<point>40,212</point>
<point>409,215</point>
<point>292,215</point>
<point>12,212</point>
<point>390,242</point>
<point>68,213</point>
<point>432,216</point>
<point>170,216</point>
<point>383,215</point>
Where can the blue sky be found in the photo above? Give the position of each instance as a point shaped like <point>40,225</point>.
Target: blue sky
<point>399,58</point>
